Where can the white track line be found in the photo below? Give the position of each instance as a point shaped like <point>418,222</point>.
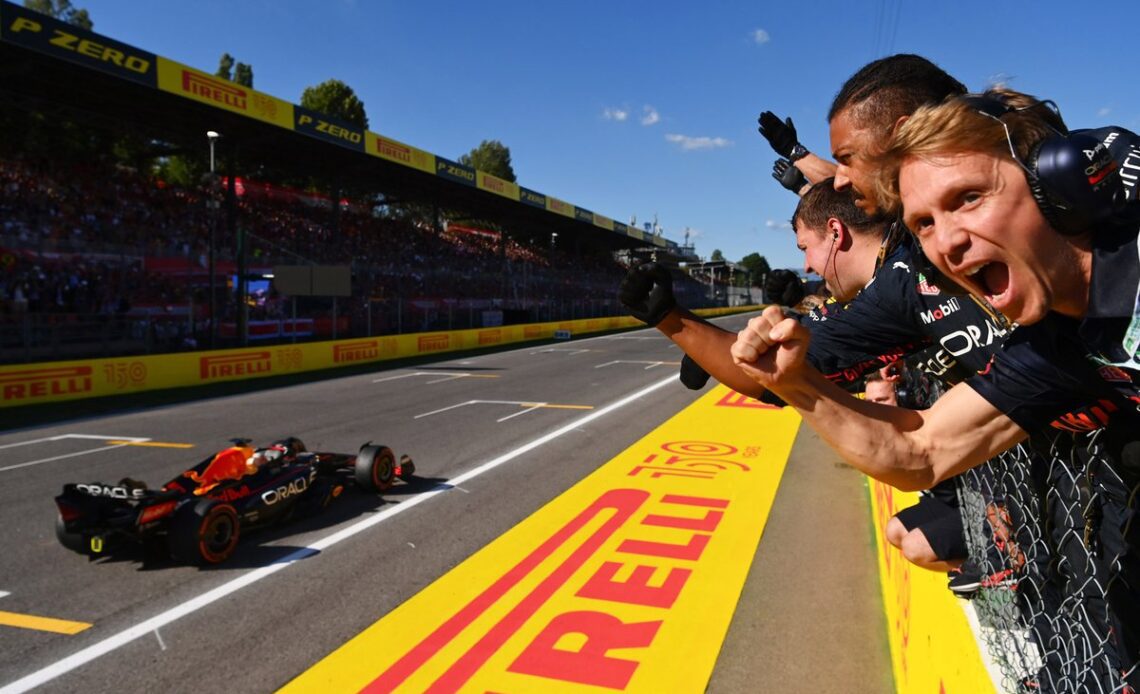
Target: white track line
<point>135,439</point>
<point>111,643</point>
<point>66,455</point>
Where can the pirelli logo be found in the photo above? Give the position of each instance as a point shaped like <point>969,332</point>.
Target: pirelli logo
<point>533,332</point>
<point>433,343</point>
<point>490,337</point>
<point>235,365</point>
<point>32,384</point>
<point>224,93</point>
<point>560,207</point>
<point>393,150</point>
<point>356,351</point>
<point>491,183</point>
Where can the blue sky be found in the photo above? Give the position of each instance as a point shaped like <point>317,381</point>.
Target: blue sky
<point>638,108</point>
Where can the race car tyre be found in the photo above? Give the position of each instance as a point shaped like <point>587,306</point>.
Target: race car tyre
<point>375,468</point>
<point>73,541</point>
<point>204,532</point>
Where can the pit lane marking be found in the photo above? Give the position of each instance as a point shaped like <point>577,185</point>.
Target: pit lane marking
<point>154,444</point>
<point>571,352</point>
<point>116,641</point>
<point>652,364</point>
<point>112,441</point>
<point>27,621</point>
<point>530,407</point>
<point>446,377</point>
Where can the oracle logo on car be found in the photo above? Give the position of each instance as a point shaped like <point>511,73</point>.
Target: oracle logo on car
<point>356,351</point>
<point>433,343</point>
<point>31,384</point>
<point>231,365</point>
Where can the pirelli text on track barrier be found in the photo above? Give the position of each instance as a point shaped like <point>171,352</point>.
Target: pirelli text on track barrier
<point>34,384</point>
<point>933,648</point>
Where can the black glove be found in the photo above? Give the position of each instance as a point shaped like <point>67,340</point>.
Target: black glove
<point>788,175</point>
<point>647,292</point>
<point>692,375</point>
<point>784,287</point>
<point>781,134</point>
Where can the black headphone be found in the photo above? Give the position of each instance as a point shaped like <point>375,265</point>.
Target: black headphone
<point>1072,176</point>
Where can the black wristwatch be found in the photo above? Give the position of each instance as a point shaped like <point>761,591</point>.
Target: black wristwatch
<point>798,152</point>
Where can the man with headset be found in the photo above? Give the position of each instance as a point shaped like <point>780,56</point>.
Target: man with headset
<point>897,312</point>
<point>1034,220</point>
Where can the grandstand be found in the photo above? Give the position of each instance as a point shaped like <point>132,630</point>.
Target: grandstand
<point>102,254</point>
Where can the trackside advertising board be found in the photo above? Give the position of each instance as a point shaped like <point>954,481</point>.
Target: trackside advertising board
<point>37,32</point>
<point>34,384</point>
<point>627,582</point>
<point>933,649</point>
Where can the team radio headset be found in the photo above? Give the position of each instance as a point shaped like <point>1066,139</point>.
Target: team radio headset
<point>1072,176</point>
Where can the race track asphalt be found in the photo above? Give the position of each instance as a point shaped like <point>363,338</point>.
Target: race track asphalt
<point>809,618</point>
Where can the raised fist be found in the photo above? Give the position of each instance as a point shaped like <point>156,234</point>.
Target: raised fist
<point>784,287</point>
<point>647,292</point>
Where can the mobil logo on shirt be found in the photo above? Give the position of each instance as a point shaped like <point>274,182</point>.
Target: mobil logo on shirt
<point>951,305</point>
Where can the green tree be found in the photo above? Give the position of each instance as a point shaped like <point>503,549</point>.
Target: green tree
<point>492,157</point>
<point>225,67</point>
<point>239,73</point>
<point>243,75</point>
<point>62,10</point>
<point>336,99</point>
<point>717,256</point>
<point>757,265</point>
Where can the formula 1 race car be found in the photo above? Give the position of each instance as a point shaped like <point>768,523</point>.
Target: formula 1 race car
<point>202,512</point>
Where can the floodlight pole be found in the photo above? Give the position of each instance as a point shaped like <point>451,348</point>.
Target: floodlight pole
<point>212,204</point>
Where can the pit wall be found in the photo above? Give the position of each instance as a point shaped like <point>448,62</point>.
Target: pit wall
<point>933,648</point>
<point>61,381</point>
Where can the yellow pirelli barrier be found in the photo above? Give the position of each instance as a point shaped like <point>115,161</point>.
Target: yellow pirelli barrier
<point>933,649</point>
<point>34,384</point>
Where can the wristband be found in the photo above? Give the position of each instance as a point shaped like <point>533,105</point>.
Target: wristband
<point>798,152</point>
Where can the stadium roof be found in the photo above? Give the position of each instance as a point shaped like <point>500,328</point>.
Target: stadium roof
<point>58,69</point>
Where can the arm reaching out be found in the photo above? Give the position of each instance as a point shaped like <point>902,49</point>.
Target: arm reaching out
<point>907,449</point>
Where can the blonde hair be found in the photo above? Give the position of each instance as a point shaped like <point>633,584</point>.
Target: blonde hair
<point>957,126</point>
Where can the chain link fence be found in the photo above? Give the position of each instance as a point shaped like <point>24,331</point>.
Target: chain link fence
<point>1048,531</point>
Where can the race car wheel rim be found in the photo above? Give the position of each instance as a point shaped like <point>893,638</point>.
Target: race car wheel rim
<point>383,470</point>
<point>218,535</point>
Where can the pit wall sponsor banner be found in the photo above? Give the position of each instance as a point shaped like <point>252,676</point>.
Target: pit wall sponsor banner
<point>328,129</point>
<point>627,582</point>
<point>557,206</point>
<point>400,153</point>
<point>532,198</point>
<point>454,171</point>
<point>933,649</point>
<point>185,81</point>
<point>496,185</point>
<point>35,384</point>
<point>41,33</point>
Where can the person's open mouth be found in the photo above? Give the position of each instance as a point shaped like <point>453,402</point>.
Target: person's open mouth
<point>992,279</point>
